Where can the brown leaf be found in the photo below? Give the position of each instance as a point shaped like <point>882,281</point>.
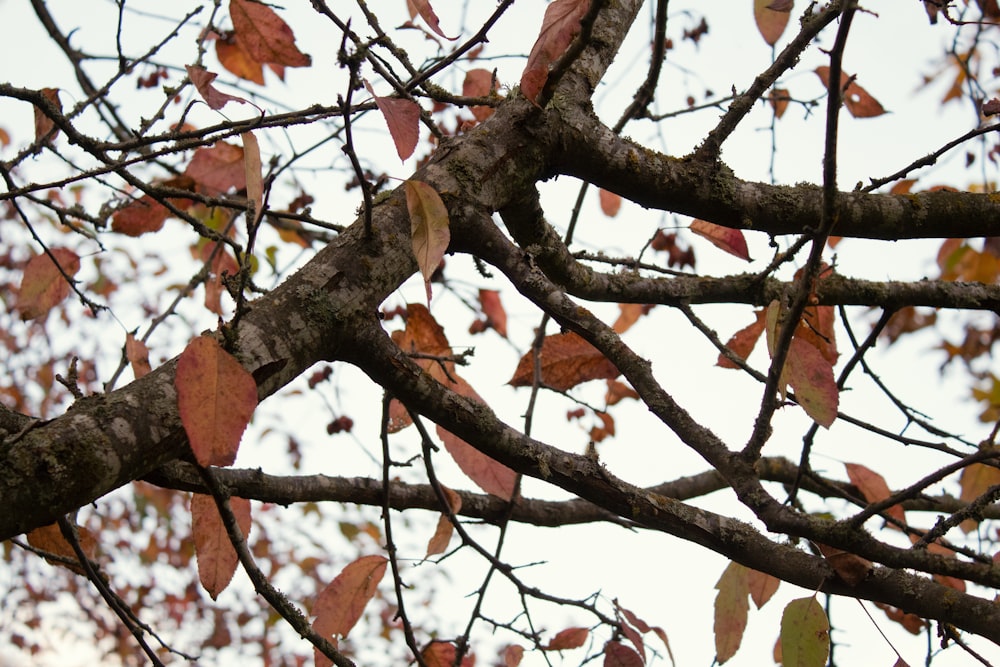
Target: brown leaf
<point>43,286</point>
<point>202,80</point>
<point>44,124</point>
<point>512,655</point>
<point>402,116</point>
<point>857,100</point>
<point>617,654</point>
<point>566,361</point>
<point>724,238</point>
<point>974,482</point>
<point>423,7</point>
<point>216,397</point>
<point>339,606</point>
<point>731,609</point>
<point>772,18</point>
<point>139,217</point>
<point>851,568</point>
<point>480,83</point>
<point>439,541</point>
<point>254,177</point>
<point>218,168</point>
<point>559,27</point>
<point>568,639</point>
<point>913,623</point>
<point>443,654</point>
<point>50,539</point>
<point>611,203</point>
<point>875,489</point>
<point>762,587</point>
<point>264,35</point>
<point>138,356</point>
<point>429,227</point>
<point>235,58</point>
<point>618,391</point>
<point>629,315</point>
<point>743,341</point>
<point>496,316</point>
<point>779,99</point>
<point>217,558</point>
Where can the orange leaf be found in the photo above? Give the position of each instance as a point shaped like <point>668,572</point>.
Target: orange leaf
<point>44,124</point>
<point>488,474</point>
<point>724,238</point>
<point>629,315</point>
<point>426,12</point>
<point>974,481</point>
<point>217,558</point>
<point>618,391</point>
<point>402,116</point>
<point>744,340</point>
<point>235,58</point>
<point>731,609</point>
<point>617,654</point>
<point>428,227</point>
<point>853,569</point>
<point>218,168</point>
<point>202,80</point>
<point>138,355</point>
<point>779,98</point>
<point>216,397</point>
<point>857,100</point>
<point>479,83</point>
<point>443,654</point>
<point>253,173</point>
<point>560,25</point>
<point>611,203</point>
<point>50,539</point>
<point>264,35</point>
<point>439,541</point>
<point>874,488</point>
<point>496,316</point>
<point>568,639</point>
<point>771,19</point>
<point>913,623</point>
<point>139,217</point>
<point>566,360</point>
<point>339,606</point>
<point>762,587</point>
<point>43,286</point>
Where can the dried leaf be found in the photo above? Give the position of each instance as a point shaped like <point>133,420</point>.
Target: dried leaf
<point>480,83</point>
<point>559,26</point>
<point>851,568</point>
<point>617,654</point>
<point>217,558</point>
<point>857,100</point>
<point>339,606</point>
<point>43,285</point>
<point>138,356</point>
<point>611,203</point>
<point>724,238</point>
<point>139,217</point>
<point>44,124</point>
<point>402,116</point>
<point>805,634</point>
<point>874,488</point>
<point>202,80</point>
<point>253,173</point>
<point>744,340</point>
<point>568,639</point>
<point>218,168</point>
<point>618,391</point>
<point>443,654</point>
<point>762,587</point>
<point>779,99</point>
<point>772,18</point>
<point>423,7</point>
<point>235,58</point>
<point>442,535</point>
<point>731,609</point>
<point>489,475</point>
<point>974,482</point>
<point>629,315</point>
<point>566,361</point>
<point>496,316</point>
<point>216,397</point>
<point>264,35</point>
<point>911,622</point>
<point>50,539</point>
<point>428,227</point>
<point>512,655</point>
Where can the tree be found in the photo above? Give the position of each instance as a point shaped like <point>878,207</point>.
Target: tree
<point>113,176</point>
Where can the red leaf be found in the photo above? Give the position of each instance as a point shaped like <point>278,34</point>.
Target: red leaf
<point>811,376</point>
<point>566,360</point>
<point>857,100</point>
<point>202,80</point>
<point>567,639</point>
<point>218,168</point>
<point>339,606</point>
<point>253,173</point>
<point>428,227</point>
<point>264,35</point>
<point>44,124</point>
<point>731,609</point>
<point>496,316</point>
<point>874,488</point>
<point>479,83</point>
<point>402,116</point>
<point>138,355</point>
<point>611,203</point>
<point>217,558</point>
<point>560,25</point>
<point>743,341</point>
<point>426,12</point>
<point>488,474</point>
<point>216,397</point>
<point>139,217</point>
<point>771,18</point>
<point>724,238</point>
<point>42,285</point>
<point>617,654</point>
